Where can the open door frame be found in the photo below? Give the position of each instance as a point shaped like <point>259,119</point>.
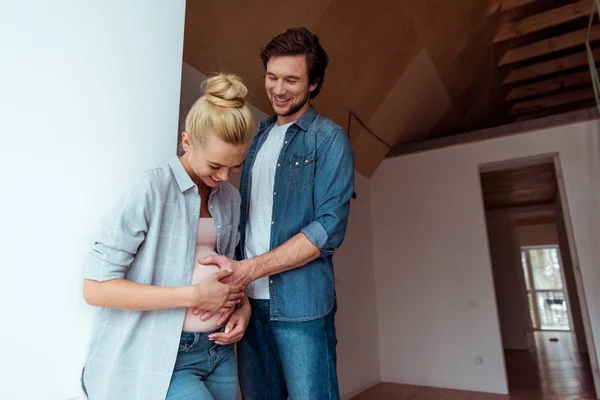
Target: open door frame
<point>591,346</point>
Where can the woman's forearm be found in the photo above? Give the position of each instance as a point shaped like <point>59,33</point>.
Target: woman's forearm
<point>127,295</point>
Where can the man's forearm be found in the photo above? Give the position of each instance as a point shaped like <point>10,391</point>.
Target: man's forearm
<point>296,252</point>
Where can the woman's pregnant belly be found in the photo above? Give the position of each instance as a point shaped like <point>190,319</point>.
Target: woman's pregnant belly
<point>192,323</point>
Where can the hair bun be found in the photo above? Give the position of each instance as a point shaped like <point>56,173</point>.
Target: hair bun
<point>225,90</point>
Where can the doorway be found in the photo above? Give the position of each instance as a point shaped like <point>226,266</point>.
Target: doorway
<point>543,315</point>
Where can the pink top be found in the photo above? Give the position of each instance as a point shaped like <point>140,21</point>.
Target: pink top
<point>206,243</point>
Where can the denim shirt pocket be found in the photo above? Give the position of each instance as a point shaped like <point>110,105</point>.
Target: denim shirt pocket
<point>302,170</point>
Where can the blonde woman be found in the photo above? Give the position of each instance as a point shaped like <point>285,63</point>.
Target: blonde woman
<point>142,273</point>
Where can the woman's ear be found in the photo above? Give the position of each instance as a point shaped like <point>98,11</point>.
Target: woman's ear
<point>185,142</point>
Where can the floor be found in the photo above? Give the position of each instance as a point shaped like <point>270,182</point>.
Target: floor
<point>553,370</point>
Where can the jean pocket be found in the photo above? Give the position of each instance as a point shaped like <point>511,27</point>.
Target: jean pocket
<point>302,170</point>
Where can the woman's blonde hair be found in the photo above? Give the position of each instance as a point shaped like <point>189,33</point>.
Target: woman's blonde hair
<point>221,110</point>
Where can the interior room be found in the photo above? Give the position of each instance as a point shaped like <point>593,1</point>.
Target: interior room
<point>469,268</point>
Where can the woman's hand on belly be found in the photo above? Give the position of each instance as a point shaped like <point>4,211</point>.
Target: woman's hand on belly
<point>236,326</point>
<point>212,295</point>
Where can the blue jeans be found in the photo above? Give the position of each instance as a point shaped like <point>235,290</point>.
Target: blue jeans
<point>279,359</point>
<point>203,370</point>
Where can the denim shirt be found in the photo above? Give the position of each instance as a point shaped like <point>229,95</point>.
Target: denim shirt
<point>314,181</point>
<point>149,237</point>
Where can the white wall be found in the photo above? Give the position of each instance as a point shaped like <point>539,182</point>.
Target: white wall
<point>432,259</point>
<point>356,320</point>
<point>90,96</point>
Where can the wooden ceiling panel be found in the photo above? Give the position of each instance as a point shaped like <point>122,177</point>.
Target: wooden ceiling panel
<point>543,20</point>
<point>227,35</point>
<point>370,47</point>
<point>499,6</point>
<point>529,185</point>
<point>550,85</point>
<point>552,101</point>
<point>550,67</point>
<point>374,48</point>
<point>544,58</point>
<point>548,46</point>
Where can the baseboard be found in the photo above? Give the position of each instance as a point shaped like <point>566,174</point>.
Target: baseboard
<point>388,379</point>
<point>359,390</point>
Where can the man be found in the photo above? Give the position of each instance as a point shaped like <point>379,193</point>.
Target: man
<point>296,188</point>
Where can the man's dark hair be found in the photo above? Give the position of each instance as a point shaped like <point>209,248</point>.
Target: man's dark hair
<point>296,42</point>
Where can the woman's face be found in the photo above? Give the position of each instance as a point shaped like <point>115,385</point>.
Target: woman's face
<point>214,162</point>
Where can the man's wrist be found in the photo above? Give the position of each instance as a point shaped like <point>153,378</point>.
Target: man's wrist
<point>250,266</point>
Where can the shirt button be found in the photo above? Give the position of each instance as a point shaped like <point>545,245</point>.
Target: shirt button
<point>278,165</point>
<point>274,193</point>
<point>218,226</point>
<point>271,281</point>
<point>297,163</point>
<point>210,206</point>
<point>286,142</point>
<point>272,222</point>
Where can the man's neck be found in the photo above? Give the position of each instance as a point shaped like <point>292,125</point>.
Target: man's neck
<point>282,120</point>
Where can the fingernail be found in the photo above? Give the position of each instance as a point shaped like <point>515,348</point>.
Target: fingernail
<point>211,337</point>
<point>227,330</point>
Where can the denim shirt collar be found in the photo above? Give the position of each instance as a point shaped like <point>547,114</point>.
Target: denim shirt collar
<point>303,122</point>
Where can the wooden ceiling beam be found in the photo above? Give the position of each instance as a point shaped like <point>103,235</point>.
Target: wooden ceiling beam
<point>550,85</point>
<point>548,46</point>
<point>499,6</point>
<point>551,101</point>
<point>549,67</point>
<point>537,22</point>
<point>530,116</point>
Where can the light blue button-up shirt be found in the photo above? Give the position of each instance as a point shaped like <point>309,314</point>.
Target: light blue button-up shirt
<point>149,238</point>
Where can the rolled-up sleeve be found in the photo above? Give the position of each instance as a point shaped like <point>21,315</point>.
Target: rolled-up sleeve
<point>120,235</point>
<point>334,185</point>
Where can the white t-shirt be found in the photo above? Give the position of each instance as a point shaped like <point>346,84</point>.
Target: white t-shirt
<point>260,213</point>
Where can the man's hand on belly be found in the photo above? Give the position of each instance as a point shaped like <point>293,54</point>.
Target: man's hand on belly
<point>239,274</point>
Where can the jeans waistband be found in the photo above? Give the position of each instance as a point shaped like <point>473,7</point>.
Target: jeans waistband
<point>198,336</point>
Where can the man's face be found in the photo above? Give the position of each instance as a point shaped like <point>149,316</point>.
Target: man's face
<point>287,86</point>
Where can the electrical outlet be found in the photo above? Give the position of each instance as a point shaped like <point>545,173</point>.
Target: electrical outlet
<point>478,360</point>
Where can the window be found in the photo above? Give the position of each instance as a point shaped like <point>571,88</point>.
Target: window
<point>545,288</point>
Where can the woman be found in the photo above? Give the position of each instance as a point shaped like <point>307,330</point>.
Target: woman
<point>147,342</point>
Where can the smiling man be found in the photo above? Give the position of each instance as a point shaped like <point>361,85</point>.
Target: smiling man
<point>296,188</point>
